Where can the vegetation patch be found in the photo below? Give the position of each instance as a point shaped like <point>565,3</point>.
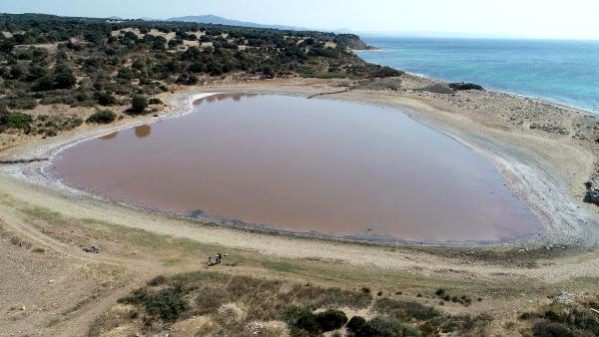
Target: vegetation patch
<point>167,304</point>
<point>448,297</point>
<point>565,319</point>
<point>102,117</point>
<point>104,62</point>
<point>384,327</point>
<point>404,310</point>
<point>465,86</point>
<point>15,121</point>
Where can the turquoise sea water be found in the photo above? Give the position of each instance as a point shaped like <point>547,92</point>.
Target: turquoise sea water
<point>565,72</point>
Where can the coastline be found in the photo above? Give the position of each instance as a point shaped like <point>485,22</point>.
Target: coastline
<point>561,216</point>
<point>562,102</point>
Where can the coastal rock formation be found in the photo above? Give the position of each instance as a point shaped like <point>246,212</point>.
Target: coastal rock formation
<point>465,86</point>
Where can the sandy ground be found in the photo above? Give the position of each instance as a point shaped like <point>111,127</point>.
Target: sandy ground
<point>546,153</point>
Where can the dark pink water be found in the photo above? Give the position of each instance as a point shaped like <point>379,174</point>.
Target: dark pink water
<point>304,165</point>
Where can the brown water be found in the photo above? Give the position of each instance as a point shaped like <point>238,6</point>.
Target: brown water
<point>316,165</point>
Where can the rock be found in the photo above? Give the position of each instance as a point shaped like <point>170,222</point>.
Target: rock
<point>563,297</point>
<point>592,195</point>
<point>92,249</point>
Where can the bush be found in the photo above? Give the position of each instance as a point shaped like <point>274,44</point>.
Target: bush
<point>63,77</point>
<point>154,100</point>
<point>465,86</point>
<point>20,102</point>
<point>158,280</point>
<point>381,327</point>
<point>331,319</point>
<point>187,79</point>
<point>125,73</point>
<point>355,323</point>
<point>138,104</point>
<point>168,304</point>
<point>106,98</point>
<point>44,83</point>
<point>102,117</point>
<point>550,329</point>
<point>301,319</point>
<point>16,121</point>
<point>6,46</point>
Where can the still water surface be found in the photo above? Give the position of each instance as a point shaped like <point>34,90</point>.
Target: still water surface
<point>319,165</point>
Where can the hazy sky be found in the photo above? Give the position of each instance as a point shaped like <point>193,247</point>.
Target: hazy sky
<point>523,18</point>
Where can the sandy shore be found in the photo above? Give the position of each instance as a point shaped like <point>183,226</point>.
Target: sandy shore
<point>545,172</point>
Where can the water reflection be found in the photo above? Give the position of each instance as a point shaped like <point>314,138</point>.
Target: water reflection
<point>110,136</point>
<point>222,97</point>
<point>143,131</point>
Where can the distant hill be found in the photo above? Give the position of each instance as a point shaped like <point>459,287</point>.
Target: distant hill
<point>217,20</point>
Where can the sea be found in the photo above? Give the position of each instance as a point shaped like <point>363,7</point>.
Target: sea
<point>561,71</point>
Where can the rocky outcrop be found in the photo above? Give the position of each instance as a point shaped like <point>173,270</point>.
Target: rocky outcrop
<point>592,195</point>
<point>465,86</point>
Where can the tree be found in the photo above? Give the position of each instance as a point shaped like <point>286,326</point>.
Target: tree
<point>44,83</point>
<point>159,43</point>
<point>7,46</point>
<point>138,104</point>
<point>63,77</point>
<point>106,98</point>
<point>268,71</point>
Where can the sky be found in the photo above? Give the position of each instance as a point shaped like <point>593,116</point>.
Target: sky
<point>480,18</point>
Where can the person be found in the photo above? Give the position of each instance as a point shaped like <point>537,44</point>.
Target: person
<point>210,260</point>
<point>218,258</point>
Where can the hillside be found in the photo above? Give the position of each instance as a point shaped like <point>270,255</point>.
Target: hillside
<point>217,20</point>
<point>83,62</point>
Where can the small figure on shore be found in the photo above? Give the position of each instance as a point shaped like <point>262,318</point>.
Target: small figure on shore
<point>217,259</point>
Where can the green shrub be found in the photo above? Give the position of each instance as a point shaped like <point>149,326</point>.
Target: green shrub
<point>20,102</point>
<point>16,121</point>
<point>331,319</point>
<point>106,98</point>
<point>154,100</point>
<point>302,319</point>
<point>168,304</point>
<point>355,323</point>
<point>138,104</point>
<point>551,329</point>
<point>102,117</point>
<point>465,86</point>
<point>63,77</point>
<point>382,327</point>
<point>187,79</point>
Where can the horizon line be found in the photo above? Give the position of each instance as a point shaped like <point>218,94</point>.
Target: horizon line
<point>384,33</point>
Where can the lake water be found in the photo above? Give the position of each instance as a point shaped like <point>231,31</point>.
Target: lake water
<point>304,165</point>
<point>566,72</point>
